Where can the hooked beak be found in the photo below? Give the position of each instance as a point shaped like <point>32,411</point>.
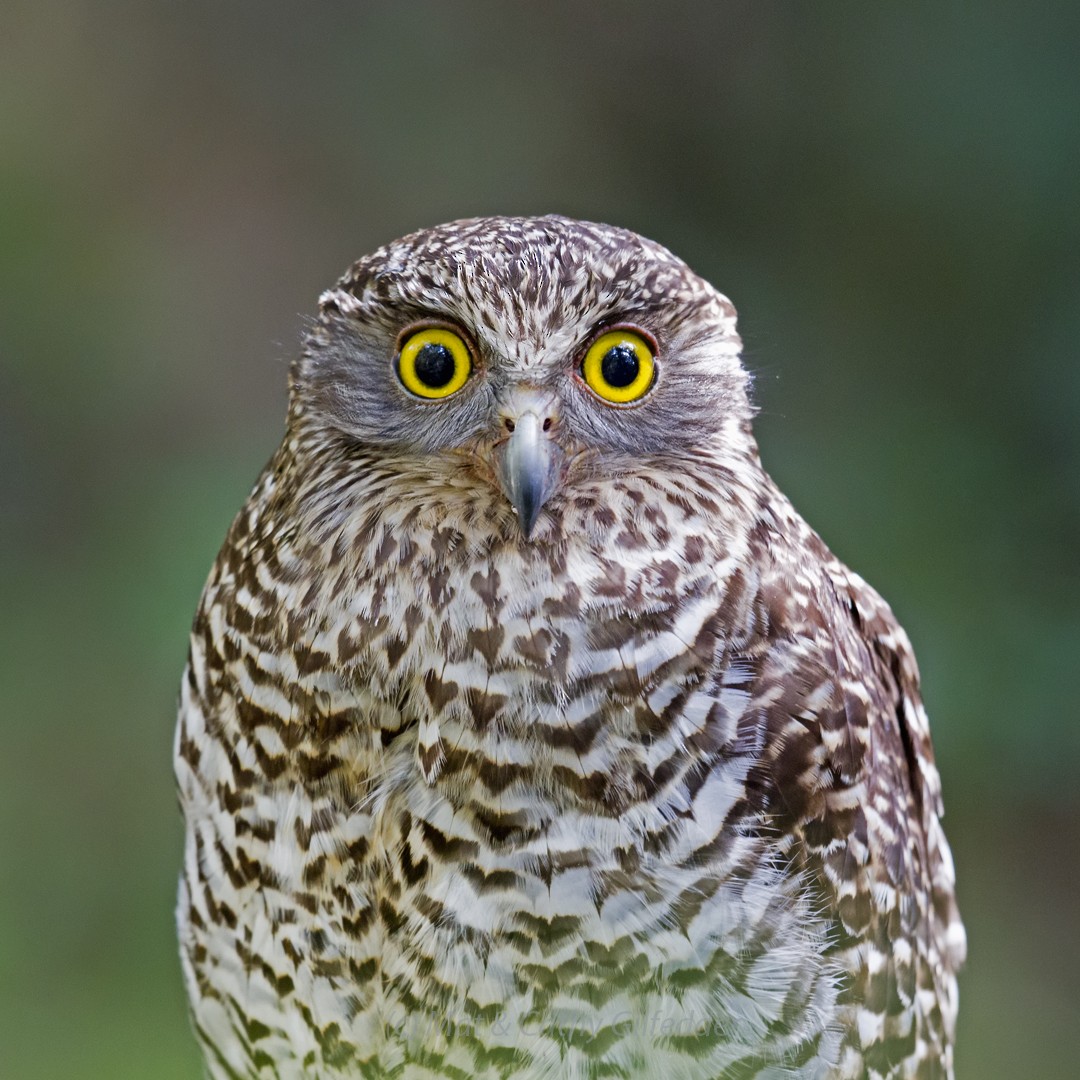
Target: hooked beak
<point>529,464</point>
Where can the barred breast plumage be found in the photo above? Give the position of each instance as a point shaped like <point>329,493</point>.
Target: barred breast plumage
<point>527,730</point>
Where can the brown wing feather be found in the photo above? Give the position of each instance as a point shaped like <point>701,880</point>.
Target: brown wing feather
<point>893,883</point>
<point>847,779</point>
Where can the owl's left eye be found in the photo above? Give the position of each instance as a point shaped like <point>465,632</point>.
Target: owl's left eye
<point>434,363</point>
<point>620,366</point>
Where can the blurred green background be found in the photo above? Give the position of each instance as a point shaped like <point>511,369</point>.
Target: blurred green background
<point>892,200</point>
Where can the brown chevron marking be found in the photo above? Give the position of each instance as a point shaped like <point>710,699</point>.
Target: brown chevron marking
<point>440,693</point>
<point>447,848</point>
<point>566,605</point>
<point>484,706</point>
<point>487,642</point>
<point>490,881</point>
<point>487,587</point>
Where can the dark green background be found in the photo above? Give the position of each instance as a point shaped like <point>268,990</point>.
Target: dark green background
<point>891,199</point>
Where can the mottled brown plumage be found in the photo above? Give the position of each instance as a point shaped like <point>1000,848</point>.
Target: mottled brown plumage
<point>622,774</point>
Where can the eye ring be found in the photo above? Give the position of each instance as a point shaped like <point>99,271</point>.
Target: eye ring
<point>619,365</point>
<point>434,361</point>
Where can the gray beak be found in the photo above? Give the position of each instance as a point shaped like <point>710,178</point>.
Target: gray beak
<point>529,465</point>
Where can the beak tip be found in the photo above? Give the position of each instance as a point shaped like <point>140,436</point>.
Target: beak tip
<point>526,517</point>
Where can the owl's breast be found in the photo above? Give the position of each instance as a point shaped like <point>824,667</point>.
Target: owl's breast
<point>536,681</point>
<point>508,793</point>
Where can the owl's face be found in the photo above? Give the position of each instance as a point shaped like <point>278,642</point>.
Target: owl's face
<point>524,352</point>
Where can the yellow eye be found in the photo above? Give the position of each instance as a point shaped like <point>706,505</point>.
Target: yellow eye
<point>434,363</point>
<point>619,367</point>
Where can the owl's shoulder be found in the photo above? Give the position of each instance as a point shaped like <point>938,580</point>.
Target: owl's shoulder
<point>848,779</point>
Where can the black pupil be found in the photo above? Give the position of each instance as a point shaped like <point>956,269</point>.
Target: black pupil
<point>620,366</point>
<point>435,365</point>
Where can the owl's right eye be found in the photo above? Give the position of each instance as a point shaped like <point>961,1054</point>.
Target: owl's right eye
<point>434,363</point>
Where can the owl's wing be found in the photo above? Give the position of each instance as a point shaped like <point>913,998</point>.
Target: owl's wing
<point>871,835</point>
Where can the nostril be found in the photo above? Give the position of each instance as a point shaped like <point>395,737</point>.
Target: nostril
<point>509,424</point>
<point>547,423</point>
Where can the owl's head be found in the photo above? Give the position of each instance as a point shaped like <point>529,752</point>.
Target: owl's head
<point>526,353</point>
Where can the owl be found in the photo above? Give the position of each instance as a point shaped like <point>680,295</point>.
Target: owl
<point>527,730</point>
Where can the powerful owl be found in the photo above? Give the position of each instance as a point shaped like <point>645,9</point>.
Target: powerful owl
<point>527,731</point>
